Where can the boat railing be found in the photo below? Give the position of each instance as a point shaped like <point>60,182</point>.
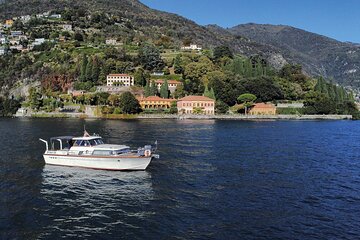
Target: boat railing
<point>46,143</point>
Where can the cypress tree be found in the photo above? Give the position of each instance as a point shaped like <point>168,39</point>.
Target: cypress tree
<point>102,77</point>
<point>164,89</point>
<point>147,89</point>
<point>258,69</point>
<point>153,88</point>
<point>84,63</point>
<point>95,70</point>
<point>88,71</point>
<point>206,91</point>
<point>177,64</point>
<point>212,94</point>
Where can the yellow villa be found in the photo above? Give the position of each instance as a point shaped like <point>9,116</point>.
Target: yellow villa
<point>155,102</point>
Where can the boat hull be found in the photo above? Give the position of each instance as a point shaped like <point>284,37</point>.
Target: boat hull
<point>112,163</point>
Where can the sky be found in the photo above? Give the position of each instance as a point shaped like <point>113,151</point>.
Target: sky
<point>338,19</point>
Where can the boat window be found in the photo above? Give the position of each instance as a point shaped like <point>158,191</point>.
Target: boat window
<point>122,151</point>
<point>98,141</point>
<point>102,152</point>
<point>77,143</point>
<point>85,143</point>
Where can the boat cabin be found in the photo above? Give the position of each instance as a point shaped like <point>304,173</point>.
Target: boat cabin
<point>87,141</point>
<point>67,142</point>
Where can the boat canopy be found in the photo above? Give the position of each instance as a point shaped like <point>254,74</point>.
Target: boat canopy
<point>66,138</point>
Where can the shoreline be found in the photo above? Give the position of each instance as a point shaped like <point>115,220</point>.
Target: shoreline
<point>191,117</point>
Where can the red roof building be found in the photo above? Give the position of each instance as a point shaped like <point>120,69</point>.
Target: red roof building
<point>196,105</point>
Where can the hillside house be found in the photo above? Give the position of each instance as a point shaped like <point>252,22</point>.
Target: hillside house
<point>39,41</point>
<point>111,41</point>
<point>172,84</point>
<point>191,47</point>
<point>119,80</point>
<point>25,18</point>
<point>55,16</point>
<point>67,27</point>
<point>196,105</point>
<point>263,109</point>
<point>9,22</point>
<point>3,51</point>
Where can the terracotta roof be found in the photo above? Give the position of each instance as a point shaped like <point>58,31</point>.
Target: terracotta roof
<point>169,81</point>
<point>119,75</point>
<point>196,98</point>
<point>156,98</point>
<point>264,105</point>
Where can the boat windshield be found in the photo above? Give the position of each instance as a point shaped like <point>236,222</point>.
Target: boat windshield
<point>95,142</point>
<point>87,143</point>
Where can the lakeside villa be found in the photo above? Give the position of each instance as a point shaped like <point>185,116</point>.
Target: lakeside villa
<point>119,79</point>
<point>196,105</point>
<point>172,84</point>
<point>155,102</point>
<point>263,109</point>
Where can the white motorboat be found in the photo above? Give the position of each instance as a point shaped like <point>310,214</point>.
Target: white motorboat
<point>91,152</point>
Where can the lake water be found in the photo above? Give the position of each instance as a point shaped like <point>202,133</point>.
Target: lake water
<point>214,180</point>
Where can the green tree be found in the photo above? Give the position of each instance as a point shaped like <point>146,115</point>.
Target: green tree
<point>141,77</point>
<point>147,91</point>
<point>247,99</point>
<point>222,51</point>
<point>95,70</point>
<point>178,67</point>
<point>129,104</point>
<point>265,88</point>
<point>209,93</point>
<point>173,108</point>
<point>164,89</point>
<point>113,100</point>
<point>153,88</point>
<point>179,91</point>
<point>318,103</point>
<point>35,99</point>
<point>88,71</point>
<point>102,98</point>
<point>102,77</point>
<point>84,63</point>
<point>78,37</point>
<point>221,107</point>
<point>150,58</point>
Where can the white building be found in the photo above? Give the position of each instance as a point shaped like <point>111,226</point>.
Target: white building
<point>67,27</point>
<point>39,41</point>
<point>3,40</point>
<point>2,51</point>
<point>112,41</point>
<point>25,18</point>
<point>191,47</point>
<point>16,47</point>
<point>119,80</point>
<point>57,16</point>
<point>16,33</point>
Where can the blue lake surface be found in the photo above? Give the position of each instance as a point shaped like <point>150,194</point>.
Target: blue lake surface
<point>214,180</point>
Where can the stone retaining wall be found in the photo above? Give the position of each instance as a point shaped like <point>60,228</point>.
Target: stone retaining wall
<point>246,117</point>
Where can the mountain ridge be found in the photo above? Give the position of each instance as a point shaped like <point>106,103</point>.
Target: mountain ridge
<point>278,44</point>
<point>319,55</point>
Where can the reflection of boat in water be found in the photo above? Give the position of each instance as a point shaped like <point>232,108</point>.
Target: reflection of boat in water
<point>78,197</point>
<point>91,152</point>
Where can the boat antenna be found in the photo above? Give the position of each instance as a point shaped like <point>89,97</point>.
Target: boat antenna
<point>86,134</point>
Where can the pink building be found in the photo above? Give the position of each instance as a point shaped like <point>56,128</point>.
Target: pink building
<point>196,105</point>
